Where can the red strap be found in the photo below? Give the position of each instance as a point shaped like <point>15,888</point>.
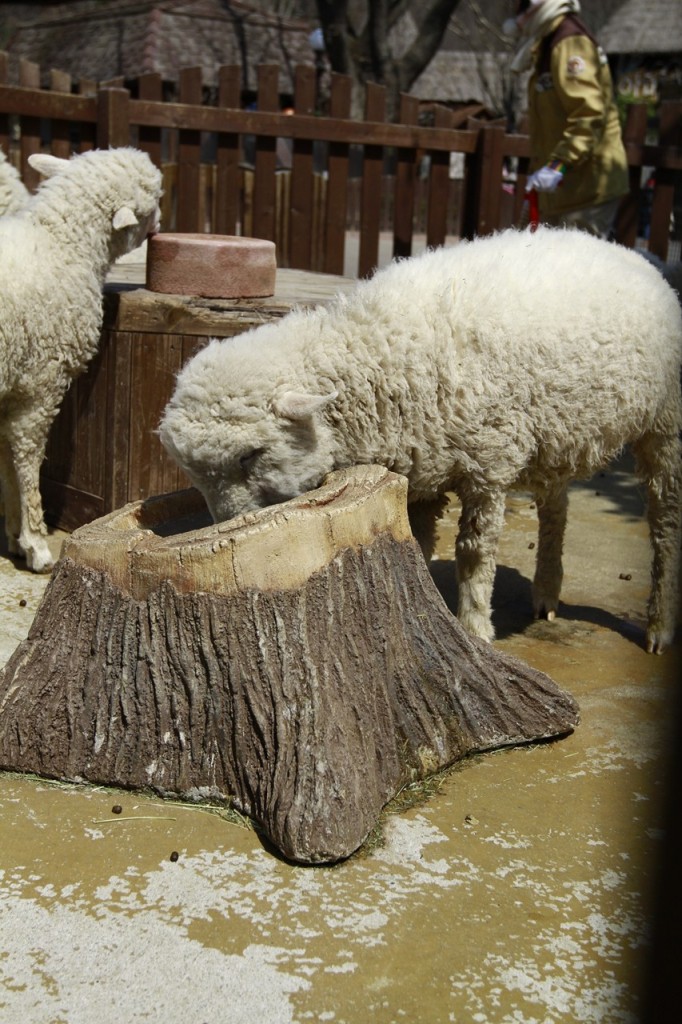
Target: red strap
<point>533,210</point>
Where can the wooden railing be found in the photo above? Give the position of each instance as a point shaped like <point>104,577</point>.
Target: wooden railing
<point>223,174</point>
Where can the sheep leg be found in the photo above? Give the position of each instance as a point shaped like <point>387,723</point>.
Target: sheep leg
<point>480,525</point>
<point>658,464</point>
<point>10,497</point>
<point>27,456</point>
<point>552,507</point>
<point>424,516</point>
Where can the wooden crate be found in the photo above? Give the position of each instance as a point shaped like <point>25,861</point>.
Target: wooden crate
<point>103,450</point>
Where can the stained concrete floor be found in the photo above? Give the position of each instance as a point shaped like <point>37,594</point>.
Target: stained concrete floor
<point>523,891</point>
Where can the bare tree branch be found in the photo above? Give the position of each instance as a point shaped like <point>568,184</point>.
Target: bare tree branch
<point>363,48</point>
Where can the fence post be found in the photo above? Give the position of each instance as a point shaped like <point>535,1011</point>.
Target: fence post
<point>301,236</point>
<point>188,208</point>
<point>228,152</point>
<point>405,181</point>
<point>60,81</point>
<point>439,186</point>
<point>472,176</point>
<point>634,134</point>
<point>670,129</point>
<point>372,171</point>
<point>29,78</point>
<point>113,118</point>
<point>336,208</point>
<point>264,185</point>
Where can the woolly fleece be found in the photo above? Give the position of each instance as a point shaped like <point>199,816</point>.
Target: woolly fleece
<point>54,256</point>
<point>519,360</point>
<point>13,193</point>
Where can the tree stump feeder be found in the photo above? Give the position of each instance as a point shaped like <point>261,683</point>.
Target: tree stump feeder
<point>298,661</point>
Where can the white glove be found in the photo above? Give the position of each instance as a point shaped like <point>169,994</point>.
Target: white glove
<point>547,179</point>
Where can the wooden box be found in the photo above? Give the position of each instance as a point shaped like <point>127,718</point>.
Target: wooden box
<point>103,449</point>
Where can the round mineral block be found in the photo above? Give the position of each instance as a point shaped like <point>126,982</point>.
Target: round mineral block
<point>211,266</point>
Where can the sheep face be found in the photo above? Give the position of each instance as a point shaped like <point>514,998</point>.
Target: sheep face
<point>122,185</point>
<point>247,457</point>
<point>132,226</point>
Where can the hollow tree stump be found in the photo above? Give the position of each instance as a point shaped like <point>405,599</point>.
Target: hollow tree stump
<point>298,660</point>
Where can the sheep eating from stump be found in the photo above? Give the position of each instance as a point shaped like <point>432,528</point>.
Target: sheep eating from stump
<point>521,360</point>
<point>54,256</point>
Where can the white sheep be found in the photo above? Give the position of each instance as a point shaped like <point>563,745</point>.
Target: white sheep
<point>515,361</point>
<point>13,192</point>
<point>54,256</point>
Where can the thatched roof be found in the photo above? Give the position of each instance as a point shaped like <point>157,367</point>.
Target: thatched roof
<point>460,77</point>
<point>105,39</point>
<point>644,27</point>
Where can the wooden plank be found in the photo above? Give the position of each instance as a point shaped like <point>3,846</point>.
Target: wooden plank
<point>130,309</point>
<point>264,192</point>
<point>490,181</point>
<point>302,185</point>
<point>61,440</point>
<point>113,124</point>
<point>634,132</point>
<point>188,208</point>
<point>87,130</point>
<point>337,180</point>
<point>226,211</point>
<point>155,362</point>
<point>150,87</point>
<point>439,187</point>
<point>67,507</point>
<point>116,349</point>
<point>4,118</point>
<point>35,102</point>
<point>29,76</point>
<point>324,129</point>
<point>72,476</point>
<point>60,81</point>
<point>90,433</point>
<point>372,171</point>
<point>405,183</point>
<point>670,131</point>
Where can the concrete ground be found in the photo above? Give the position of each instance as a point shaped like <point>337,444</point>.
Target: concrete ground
<point>522,891</point>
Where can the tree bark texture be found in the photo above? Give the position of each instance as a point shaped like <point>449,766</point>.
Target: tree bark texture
<point>298,661</point>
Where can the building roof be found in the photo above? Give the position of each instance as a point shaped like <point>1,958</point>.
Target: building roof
<point>643,27</point>
<point>105,39</point>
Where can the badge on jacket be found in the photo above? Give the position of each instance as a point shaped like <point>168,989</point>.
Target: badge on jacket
<point>575,66</point>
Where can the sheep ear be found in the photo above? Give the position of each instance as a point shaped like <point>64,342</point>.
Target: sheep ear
<point>46,164</point>
<point>124,218</point>
<point>296,405</point>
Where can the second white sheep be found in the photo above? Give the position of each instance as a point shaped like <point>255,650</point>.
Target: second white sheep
<point>54,256</point>
<point>520,360</point>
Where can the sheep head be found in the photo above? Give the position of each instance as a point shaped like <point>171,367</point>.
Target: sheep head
<point>122,183</point>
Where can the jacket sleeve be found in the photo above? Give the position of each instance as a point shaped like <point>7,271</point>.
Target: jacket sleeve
<point>577,78</point>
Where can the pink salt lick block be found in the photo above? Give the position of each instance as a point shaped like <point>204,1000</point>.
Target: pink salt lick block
<point>211,266</point>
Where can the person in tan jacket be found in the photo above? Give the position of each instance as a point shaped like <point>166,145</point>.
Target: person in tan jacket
<point>577,155</point>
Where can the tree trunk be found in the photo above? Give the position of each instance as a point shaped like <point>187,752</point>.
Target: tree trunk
<point>298,661</point>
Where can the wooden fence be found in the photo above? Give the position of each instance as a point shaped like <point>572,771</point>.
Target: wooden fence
<point>224,171</point>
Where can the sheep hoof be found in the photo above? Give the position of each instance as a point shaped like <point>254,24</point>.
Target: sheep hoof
<point>543,611</point>
<point>39,560</point>
<point>656,641</point>
<point>477,625</point>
